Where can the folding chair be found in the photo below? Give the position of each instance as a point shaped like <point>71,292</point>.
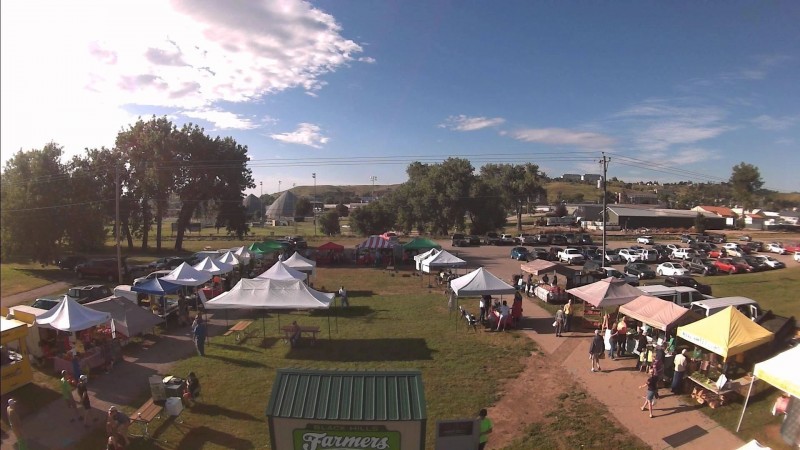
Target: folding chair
<point>472,321</point>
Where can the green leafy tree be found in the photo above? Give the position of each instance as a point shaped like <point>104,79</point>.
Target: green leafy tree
<point>303,207</point>
<point>699,223</point>
<point>517,184</point>
<point>342,210</point>
<point>373,218</point>
<point>32,195</point>
<point>746,180</point>
<point>329,223</point>
<point>485,212</point>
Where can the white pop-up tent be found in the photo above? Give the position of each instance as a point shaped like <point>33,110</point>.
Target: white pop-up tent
<point>423,256</point>
<point>298,262</point>
<point>229,258</point>
<point>781,371</point>
<point>213,266</point>
<point>71,316</point>
<point>480,282</point>
<point>269,294</point>
<point>186,275</point>
<point>280,271</point>
<point>129,319</point>
<point>441,260</point>
<point>242,254</point>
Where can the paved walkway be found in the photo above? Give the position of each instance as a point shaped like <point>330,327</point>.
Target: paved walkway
<point>617,388</point>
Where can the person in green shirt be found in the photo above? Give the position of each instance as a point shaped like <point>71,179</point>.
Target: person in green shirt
<point>66,393</point>
<point>485,427</point>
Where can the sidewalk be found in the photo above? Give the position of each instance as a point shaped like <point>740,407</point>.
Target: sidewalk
<point>617,388</point>
<point>124,385</point>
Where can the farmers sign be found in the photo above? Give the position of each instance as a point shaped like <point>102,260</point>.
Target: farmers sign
<point>348,437</point>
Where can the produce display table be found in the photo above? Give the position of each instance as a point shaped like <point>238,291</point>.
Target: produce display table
<point>92,359</point>
<point>550,294</point>
<point>708,393</point>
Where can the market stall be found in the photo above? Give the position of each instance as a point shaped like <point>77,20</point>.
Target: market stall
<point>423,256</point>
<point>481,282</point>
<point>155,297</point>
<point>375,250</point>
<point>281,271</point>
<point>442,260</point>
<point>28,314</point>
<point>301,263</point>
<point>726,334</point>
<point>608,292</point>
<point>15,364</point>
<point>86,340</point>
<point>330,253</point>
<point>129,319</point>
<point>658,314</point>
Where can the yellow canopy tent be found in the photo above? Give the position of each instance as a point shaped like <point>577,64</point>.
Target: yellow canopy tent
<point>726,333</point>
<point>781,371</point>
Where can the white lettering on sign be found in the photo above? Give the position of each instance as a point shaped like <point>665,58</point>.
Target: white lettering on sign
<point>314,441</point>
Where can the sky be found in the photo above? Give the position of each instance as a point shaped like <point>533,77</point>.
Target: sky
<point>353,91</point>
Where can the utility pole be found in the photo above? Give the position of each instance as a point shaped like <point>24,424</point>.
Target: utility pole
<point>604,161</point>
<point>373,179</point>
<point>261,203</point>
<point>314,203</point>
<point>116,224</point>
<point>279,187</point>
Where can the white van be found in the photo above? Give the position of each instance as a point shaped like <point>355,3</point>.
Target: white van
<point>746,306</point>
<point>680,295</point>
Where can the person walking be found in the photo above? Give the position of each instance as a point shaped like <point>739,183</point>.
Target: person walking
<point>83,395</point>
<point>568,312</point>
<point>343,295</point>
<point>680,371</point>
<point>622,337</point>
<point>117,424</point>
<point>559,321</point>
<point>199,335</point>
<point>15,422</point>
<point>66,393</point>
<point>485,426</point>
<point>596,349</point>
<point>555,279</point>
<point>652,392</point>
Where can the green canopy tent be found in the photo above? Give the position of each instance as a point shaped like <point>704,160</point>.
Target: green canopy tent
<point>421,243</point>
<point>265,247</point>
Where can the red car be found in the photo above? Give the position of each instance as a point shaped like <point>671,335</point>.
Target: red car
<point>717,253</point>
<point>791,248</point>
<point>727,265</point>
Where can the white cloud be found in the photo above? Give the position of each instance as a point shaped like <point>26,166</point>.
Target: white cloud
<point>693,155</point>
<point>464,123</point>
<point>305,134</point>
<point>87,62</point>
<point>766,122</point>
<point>367,59</point>
<point>222,119</point>
<point>561,136</point>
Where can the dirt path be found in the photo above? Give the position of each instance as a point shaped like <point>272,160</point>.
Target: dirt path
<point>27,296</point>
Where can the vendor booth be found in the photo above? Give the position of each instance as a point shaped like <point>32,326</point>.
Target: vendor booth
<point>229,259</point>
<point>330,253</point>
<point>154,294</point>
<point>15,365</point>
<point>658,314</point>
<point>83,337</point>
<point>481,282</point>
<point>441,260</point>
<point>315,409</point>
<point>783,372</point>
<point>726,334</point>
<point>423,256</point>
<point>301,263</point>
<point>28,314</point>
<point>608,292</point>
<point>281,271</point>
<point>376,250</point>
<point>129,319</point>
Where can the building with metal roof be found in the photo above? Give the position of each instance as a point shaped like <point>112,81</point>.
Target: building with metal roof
<point>628,217</point>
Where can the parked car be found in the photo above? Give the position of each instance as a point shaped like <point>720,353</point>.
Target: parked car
<point>99,268</point>
<point>168,262</point>
<point>769,261</point>
<point>702,266</point>
<point>612,256</point>
<point>683,253</point>
<point>46,303</point>
<point>776,247</point>
<point>300,242</point>
<point>797,256</point>
<point>150,276</point>
<point>729,266</point>
<point>542,238</point>
<point>647,240</point>
<point>673,247</point>
<point>388,235</point>
<point>520,253</point>
<point>70,262</point>
<point>459,240</point>
<point>525,239</point>
<point>668,268</point>
<point>745,238</point>
<point>740,261</point>
<point>570,256</point>
<point>506,239</point>
<point>558,239</point>
<point>86,294</point>
<point>648,255</point>
<point>734,249</point>
<point>473,239</point>
<point>687,238</point>
<point>755,246</point>
<point>539,253</point>
<point>491,238</point>
<point>792,247</point>
<point>614,273</point>
<point>682,280</point>
<point>640,270</point>
<point>628,255</point>
<point>586,239</point>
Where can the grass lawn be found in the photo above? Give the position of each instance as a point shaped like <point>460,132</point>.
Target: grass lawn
<point>21,277</point>
<point>775,289</point>
<point>392,323</point>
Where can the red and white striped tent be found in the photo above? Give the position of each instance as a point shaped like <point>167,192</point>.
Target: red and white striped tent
<point>376,242</point>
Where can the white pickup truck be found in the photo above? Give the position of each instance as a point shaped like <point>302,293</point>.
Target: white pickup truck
<point>570,256</point>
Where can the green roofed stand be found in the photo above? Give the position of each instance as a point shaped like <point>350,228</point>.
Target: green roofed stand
<point>421,244</point>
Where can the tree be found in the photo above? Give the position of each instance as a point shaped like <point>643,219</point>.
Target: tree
<point>560,210</point>
<point>329,223</point>
<point>517,184</point>
<point>342,210</point>
<point>303,207</point>
<point>33,202</point>
<point>699,223</point>
<point>746,180</point>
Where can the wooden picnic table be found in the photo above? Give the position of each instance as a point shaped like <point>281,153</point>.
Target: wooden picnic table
<point>239,329</point>
<point>304,329</point>
<point>144,415</point>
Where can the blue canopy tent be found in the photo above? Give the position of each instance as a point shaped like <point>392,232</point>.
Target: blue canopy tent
<point>157,286</point>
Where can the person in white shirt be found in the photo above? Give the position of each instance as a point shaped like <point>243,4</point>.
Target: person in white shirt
<point>343,295</point>
<point>504,313</point>
<point>680,370</point>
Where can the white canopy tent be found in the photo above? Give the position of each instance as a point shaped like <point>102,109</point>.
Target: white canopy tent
<point>781,371</point>
<point>423,256</point>
<point>480,282</point>
<point>129,319</point>
<point>298,262</point>
<point>186,275</point>
<point>229,258</point>
<point>242,254</point>
<point>213,266</point>
<point>440,260</point>
<point>71,316</point>
<point>280,271</point>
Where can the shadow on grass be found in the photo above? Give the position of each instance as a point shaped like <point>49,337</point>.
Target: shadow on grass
<point>358,350</point>
<point>238,362</point>
<point>215,410</point>
<point>268,342</point>
<point>52,275</point>
<point>235,347</point>
<point>35,397</point>
<point>202,436</point>
<point>106,387</point>
<point>350,311</point>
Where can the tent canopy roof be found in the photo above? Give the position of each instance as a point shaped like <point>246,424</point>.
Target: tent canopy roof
<point>606,292</point>
<point>126,314</point>
<point>270,294</point>
<point>281,271</point>
<point>156,286</point>
<point>376,242</point>
<point>480,282</point>
<point>229,258</point>
<point>186,275</point>
<point>781,371</point>
<point>726,333</point>
<point>541,267</point>
<point>656,312</point>
<point>301,263</point>
<point>331,246</point>
<point>213,266</point>
<point>421,243</point>
<point>71,316</point>
<point>442,259</point>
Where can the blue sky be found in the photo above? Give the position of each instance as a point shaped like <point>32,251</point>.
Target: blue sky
<point>353,89</point>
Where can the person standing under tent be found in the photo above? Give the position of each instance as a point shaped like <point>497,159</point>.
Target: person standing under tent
<point>680,371</point>
<point>504,313</point>
<point>568,315</point>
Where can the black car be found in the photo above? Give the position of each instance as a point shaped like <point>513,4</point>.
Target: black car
<point>542,238</point>
<point>70,262</point>
<point>558,239</point>
<point>757,264</point>
<point>167,262</point>
<point>46,303</point>
<point>539,253</point>
<point>640,270</point>
<point>586,239</point>
<point>702,266</point>
<point>86,294</point>
<point>683,280</point>
<point>299,242</point>
<point>473,239</point>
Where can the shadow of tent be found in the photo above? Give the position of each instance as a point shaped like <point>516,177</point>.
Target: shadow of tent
<point>215,410</point>
<point>350,311</point>
<point>362,350</point>
<point>269,342</point>
<point>203,435</point>
<point>542,325</point>
<point>237,362</point>
<point>234,347</point>
<point>105,387</point>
